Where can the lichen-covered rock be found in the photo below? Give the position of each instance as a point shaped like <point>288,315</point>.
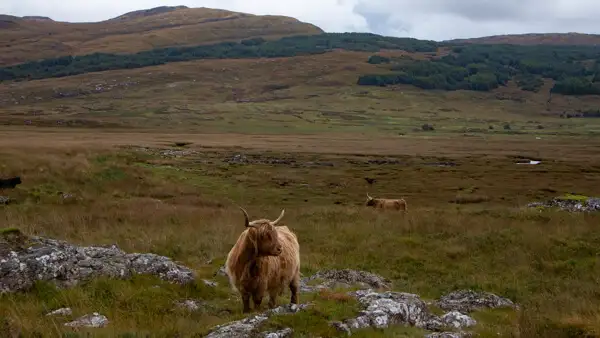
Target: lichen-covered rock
<point>382,310</point>
<point>92,320</point>
<point>344,278</point>
<point>43,259</point>
<point>466,301</point>
<point>248,327</point>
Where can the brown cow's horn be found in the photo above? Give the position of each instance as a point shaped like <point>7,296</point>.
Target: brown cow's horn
<point>246,218</point>
<point>369,197</point>
<point>278,218</point>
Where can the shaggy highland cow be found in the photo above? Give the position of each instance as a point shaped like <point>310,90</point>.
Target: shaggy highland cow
<point>264,260</point>
<point>384,203</point>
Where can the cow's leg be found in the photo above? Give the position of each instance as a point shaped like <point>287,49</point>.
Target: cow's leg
<point>257,301</point>
<point>258,296</point>
<point>246,301</point>
<point>294,286</point>
<point>273,297</point>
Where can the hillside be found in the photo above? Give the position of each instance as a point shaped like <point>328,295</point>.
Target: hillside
<point>293,83</point>
<point>554,39</point>
<point>30,38</point>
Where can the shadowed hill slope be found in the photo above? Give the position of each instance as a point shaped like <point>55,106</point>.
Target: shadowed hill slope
<point>24,39</point>
<point>564,39</point>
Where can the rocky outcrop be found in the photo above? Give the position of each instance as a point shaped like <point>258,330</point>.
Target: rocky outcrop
<point>382,310</point>
<point>25,260</point>
<point>42,259</point>
<point>582,204</point>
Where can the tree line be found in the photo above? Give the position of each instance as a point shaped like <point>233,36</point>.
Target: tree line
<point>574,69</point>
<point>249,48</point>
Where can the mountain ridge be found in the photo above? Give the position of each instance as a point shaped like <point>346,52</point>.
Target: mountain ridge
<point>24,40</point>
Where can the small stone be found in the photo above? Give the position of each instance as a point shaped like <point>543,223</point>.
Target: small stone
<point>221,272</point>
<point>92,320</point>
<point>287,332</point>
<point>457,320</point>
<point>65,311</point>
<point>244,327</point>
<point>189,304</point>
<point>466,301</point>
<point>344,278</point>
<point>341,327</point>
<point>448,335</point>
<point>210,283</point>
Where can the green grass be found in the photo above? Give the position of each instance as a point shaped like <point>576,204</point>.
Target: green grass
<point>546,262</point>
<point>574,197</point>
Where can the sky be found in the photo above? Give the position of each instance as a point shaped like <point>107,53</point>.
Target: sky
<point>421,19</point>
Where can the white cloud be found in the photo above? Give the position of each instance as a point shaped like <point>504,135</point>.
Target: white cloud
<point>424,19</point>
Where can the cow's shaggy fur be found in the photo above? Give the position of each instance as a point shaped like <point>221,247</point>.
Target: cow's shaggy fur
<point>384,203</point>
<point>264,260</point>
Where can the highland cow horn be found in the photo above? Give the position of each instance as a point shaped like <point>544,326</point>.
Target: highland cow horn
<point>246,218</point>
<point>369,197</point>
<point>278,218</point>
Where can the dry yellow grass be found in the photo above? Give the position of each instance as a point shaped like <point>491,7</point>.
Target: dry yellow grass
<point>519,146</point>
<point>28,40</point>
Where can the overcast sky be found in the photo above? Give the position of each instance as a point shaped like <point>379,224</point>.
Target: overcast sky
<point>422,19</point>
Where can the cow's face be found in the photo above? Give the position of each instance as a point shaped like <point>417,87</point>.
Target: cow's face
<point>17,180</point>
<point>268,241</point>
<point>264,234</point>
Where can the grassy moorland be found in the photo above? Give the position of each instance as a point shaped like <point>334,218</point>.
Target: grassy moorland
<point>183,207</point>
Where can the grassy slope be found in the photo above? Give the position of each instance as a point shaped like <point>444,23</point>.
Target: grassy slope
<point>537,39</point>
<point>26,40</point>
<point>308,94</point>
